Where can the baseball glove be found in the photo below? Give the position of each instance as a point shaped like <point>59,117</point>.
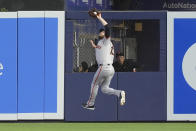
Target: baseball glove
<point>93,12</point>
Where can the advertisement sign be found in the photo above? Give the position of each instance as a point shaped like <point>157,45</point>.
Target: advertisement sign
<point>181,66</point>
<point>179,5</point>
<point>176,5</point>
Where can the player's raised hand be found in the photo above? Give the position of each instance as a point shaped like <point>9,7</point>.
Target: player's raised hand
<point>94,13</point>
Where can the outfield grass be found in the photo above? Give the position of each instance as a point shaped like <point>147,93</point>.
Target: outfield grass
<point>97,126</point>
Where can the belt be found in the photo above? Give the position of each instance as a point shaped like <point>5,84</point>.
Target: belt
<point>104,64</point>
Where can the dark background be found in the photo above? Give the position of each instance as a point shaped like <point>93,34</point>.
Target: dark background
<point>27,5</point>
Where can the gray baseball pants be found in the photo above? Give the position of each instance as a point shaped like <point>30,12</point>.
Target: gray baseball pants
<point>102,78</point>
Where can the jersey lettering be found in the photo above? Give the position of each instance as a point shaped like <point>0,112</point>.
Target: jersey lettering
<point>1,68</point>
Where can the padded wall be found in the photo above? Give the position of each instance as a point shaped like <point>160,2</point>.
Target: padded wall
<point>8,66</point>
<point>146,96</point>
<point>32,65</point>
<point>78,91</point>
<point>181,66</point>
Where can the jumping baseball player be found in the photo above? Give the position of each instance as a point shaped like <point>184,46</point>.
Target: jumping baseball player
<point>104,51</point>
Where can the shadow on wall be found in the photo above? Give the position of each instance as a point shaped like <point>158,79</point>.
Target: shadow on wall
<point>27,5</point>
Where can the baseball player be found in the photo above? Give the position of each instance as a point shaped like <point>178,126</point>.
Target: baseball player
<point>104,52</point>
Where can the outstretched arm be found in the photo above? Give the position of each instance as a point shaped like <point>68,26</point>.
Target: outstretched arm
<point>105,24</point>
<point>93,44</point>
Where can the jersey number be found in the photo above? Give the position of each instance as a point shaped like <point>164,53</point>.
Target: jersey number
<point>112,50</point>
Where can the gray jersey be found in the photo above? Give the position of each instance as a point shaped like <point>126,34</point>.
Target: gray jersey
<point>105,52</point>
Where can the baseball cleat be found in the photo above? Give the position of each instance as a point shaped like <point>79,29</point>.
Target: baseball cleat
<point>86,106</point>
<point>122,98</point>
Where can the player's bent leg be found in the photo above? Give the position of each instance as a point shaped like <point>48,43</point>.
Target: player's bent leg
<point>106,89</point>
<point>110,91</point>
<point>119,93</point>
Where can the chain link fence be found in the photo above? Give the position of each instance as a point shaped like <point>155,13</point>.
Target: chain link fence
<point>83,54</point>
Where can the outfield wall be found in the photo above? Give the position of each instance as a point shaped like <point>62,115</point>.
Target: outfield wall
<point>32,65</point>
<point>36,61</point>
<point>181,66</point>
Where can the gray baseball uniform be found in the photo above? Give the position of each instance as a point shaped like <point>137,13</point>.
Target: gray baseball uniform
<point>105,72</point>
